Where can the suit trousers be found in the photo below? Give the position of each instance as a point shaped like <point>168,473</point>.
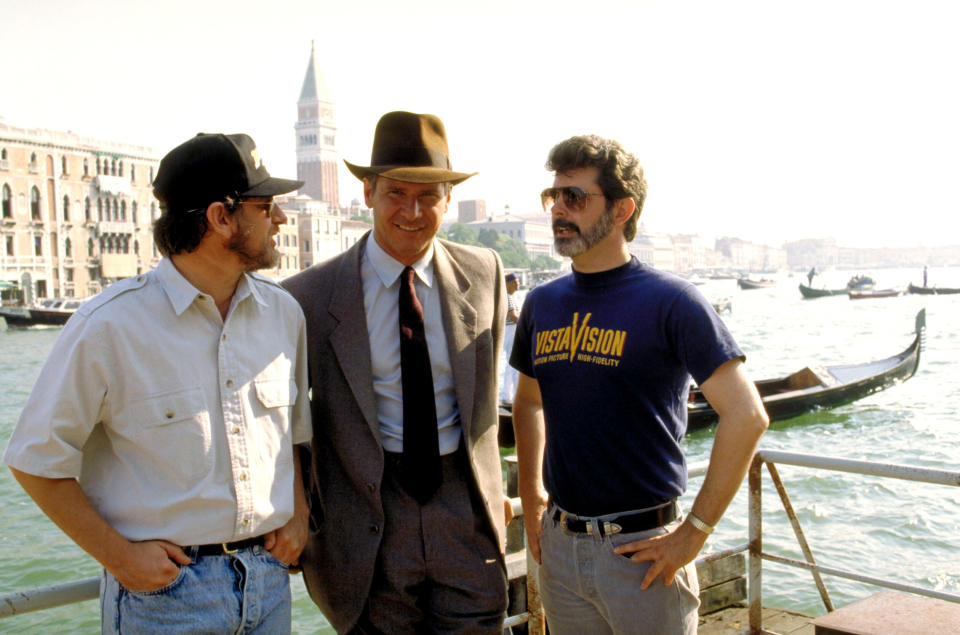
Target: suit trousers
<point>438,569</point>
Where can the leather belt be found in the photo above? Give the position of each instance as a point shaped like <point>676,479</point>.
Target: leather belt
<point>222,548</point>
<point>628,523</point>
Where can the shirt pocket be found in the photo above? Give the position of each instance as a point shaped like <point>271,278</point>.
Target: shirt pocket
<point>275,392</point>
<point>176,425</point>
<point>272,407</point>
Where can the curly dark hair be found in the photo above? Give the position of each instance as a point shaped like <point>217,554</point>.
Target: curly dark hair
<point>621,175</point>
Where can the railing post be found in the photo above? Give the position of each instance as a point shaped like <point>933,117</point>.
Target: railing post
<point>754,595</point>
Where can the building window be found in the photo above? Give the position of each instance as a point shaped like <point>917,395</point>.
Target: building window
<point>34,203</point>
<point>63,164</point>
<point>86,209</point>
<point>67,248</point>
<point>123,210</point>
<point>3,154</point>
<point>38,245</point>
<point>100,209</point>
<point>113,167</point>
<point>136,247</point>
<point>133,212</point>
<point>120,168</point>
<point>68,273</point>
<point>7,202</point>
<point>9,245</point>
<point>116,209</point>
<point>151,174</point>
<point>86,166</point>
<point>66,208</point>
<point>133,173</point>
<point>90,248</point>
<point>98,165</point>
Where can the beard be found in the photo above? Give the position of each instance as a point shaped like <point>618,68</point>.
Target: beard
<point>584,240</point>
<point>253,257</point>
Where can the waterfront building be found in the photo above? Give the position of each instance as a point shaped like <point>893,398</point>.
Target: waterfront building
<point>472,210</point>
<point>316,133</point>
<point>747,256</point>
<point>76,212</point>
<point>533,231</point>
<point>288,244</point>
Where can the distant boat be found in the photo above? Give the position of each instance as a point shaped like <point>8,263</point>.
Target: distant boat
<point>932,290</point>
<point>722,305</point>
<point>816,387</point>
<point>813,292</point>
<point>762,283</point>
<point>50,312</point>
<point>874,293</point>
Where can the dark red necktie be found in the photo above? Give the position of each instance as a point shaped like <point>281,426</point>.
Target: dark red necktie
<point>420,465</point>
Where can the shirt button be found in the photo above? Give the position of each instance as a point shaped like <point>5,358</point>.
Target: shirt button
<point>245,522</point>
<point>374,529</point>
<point>169,414</point>
<point>224,338</point>
<point>229,383</point>
<point>243,476</point>
<point>236,429</point>
<point>371,487</point>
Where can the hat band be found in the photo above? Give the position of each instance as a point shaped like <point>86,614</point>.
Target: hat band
<point>412,157</point>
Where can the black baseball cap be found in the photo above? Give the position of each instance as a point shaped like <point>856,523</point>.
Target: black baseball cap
<point>210,167</point>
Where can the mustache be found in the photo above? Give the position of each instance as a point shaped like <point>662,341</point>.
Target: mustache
<point>559,223</point>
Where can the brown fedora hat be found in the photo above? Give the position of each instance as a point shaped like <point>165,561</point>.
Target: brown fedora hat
<point>410,147</point>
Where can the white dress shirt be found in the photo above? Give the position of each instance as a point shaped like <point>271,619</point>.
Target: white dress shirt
<point>179,425</point>
<point>381,291</point>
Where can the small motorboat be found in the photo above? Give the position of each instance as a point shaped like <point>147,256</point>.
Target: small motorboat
<point>932,290</point>
<point>813,292</point>
<point>750,283</point>
<point>49,312</point>
<point>874,293</point>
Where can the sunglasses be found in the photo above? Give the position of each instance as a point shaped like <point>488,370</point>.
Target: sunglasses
<point>267,206</point>
<point>574,198</point>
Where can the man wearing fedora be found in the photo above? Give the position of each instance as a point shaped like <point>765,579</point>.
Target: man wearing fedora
<point>160,434</point>
<point>404,333</point>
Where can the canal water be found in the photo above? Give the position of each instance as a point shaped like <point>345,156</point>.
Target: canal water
<point>885,528</point>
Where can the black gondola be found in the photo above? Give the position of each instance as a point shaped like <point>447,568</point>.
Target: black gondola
<point>932,290</point>
<point>813,292</point>
<point>818,387</point>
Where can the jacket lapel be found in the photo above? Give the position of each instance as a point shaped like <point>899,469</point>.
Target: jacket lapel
<point>349,339</point>
<point>460,325</point>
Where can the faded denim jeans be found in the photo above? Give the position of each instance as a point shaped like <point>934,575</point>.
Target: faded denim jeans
<point>244,592</point>
<point>587,588</point>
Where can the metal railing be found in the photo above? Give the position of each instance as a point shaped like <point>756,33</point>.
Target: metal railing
<point>755,546</point>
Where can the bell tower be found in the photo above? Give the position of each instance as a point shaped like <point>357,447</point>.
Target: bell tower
<point>316,137</point>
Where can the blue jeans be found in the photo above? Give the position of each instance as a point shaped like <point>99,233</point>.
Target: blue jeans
<point>587,588</point>
<point>244,592</point>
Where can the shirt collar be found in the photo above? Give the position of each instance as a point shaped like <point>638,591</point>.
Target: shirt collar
<point>388,269</point>
<point>182,294</point>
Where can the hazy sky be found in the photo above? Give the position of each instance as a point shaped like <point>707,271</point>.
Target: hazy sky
<point>767,120</point>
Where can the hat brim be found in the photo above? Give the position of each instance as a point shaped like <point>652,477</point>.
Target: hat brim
<point>410,174</point>
<point>273,187</point>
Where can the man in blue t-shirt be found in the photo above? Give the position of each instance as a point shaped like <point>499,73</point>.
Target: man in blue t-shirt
<point>605,356</point>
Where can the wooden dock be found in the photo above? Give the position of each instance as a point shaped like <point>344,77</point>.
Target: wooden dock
<point>735,620</point>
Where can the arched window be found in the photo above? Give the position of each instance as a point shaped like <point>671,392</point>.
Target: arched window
<point>123,210</point>
<point>3,154</point>
<point>100,209</point>
<point>86,209</point>
<point>120,168</point>
<point>133,173</point>
<point>34,203</point>
<point>133,212</point>
<point>7,201</point>
<point>116,209</point>
<point>90,248</point>
<point>98,165</point>
<point>67,248</point>
<point>86,166</point>
<point>63,164</point>
<point>113,167</point>
<point>33,158</point>
<point>66,208</point>
<point>136,247</point>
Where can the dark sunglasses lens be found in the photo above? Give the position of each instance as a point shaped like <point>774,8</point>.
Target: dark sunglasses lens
<point>574,197</point>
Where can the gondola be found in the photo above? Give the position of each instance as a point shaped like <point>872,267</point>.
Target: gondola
<point>748,283</point>
<point>812,292</point>
<point>817,387</point>
<point>932,290</point>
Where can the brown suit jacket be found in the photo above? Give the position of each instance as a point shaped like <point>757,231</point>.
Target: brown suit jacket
<point>347,458</point>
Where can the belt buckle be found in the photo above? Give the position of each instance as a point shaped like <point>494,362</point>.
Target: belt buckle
<point>227,549</point>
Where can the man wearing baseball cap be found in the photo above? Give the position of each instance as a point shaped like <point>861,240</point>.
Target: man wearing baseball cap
<point>160,434</point>
<point>405,331</point>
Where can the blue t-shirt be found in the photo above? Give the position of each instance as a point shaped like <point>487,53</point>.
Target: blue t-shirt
<point>613,353</point>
